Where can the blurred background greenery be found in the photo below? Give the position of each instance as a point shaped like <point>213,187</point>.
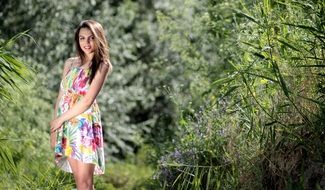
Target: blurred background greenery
<point>208,94</point>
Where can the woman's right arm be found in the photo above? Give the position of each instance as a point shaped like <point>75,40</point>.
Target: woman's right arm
<point>67,65</point>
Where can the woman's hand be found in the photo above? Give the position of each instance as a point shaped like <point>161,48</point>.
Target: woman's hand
<point>55,124</point>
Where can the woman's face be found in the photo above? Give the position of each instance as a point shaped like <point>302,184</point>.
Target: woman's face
<point>86,40</point>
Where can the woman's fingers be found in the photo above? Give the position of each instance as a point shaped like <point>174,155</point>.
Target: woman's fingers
<point>53,129</point>
<point>54,126</point>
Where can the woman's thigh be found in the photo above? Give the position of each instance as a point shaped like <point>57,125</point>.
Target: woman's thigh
<point>81,171</point>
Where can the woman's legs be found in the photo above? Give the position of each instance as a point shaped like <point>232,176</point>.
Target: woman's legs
<point>83,174</point>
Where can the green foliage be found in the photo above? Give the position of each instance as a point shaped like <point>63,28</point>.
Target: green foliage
<point>269,105</point>
<point>6,158</point>
<point>12,69</point>
<point>134,173</point>
<point>229,94</point>
<point>26,139</point>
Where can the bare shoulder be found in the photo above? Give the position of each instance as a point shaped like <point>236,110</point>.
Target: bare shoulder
<point>68,64</point>
<point>72,61</point>
<point>106,65</point>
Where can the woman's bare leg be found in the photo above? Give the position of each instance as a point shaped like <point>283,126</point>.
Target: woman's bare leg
<point>83,174</point>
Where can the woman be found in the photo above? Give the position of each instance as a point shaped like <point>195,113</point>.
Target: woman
<point>76,130</point>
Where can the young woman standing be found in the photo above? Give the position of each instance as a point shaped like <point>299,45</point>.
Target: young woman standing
<point>76,130</point>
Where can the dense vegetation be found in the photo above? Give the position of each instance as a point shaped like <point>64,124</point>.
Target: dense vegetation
<point>204,94</point>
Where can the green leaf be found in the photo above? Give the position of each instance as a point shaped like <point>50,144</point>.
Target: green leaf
<point>288,45</point>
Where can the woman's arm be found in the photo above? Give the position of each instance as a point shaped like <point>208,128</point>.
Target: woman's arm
<point>57,104</point>
<point>67,65</point>
<point>86,101</point>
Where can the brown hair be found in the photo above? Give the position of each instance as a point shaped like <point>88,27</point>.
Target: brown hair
<point>101,54</point>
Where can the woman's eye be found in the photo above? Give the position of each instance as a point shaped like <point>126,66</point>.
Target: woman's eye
<point>81,38</point>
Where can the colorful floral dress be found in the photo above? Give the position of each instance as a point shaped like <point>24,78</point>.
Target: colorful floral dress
<point>81,137</point>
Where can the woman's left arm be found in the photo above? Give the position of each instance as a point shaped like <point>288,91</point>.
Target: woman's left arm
<point>86,101</point>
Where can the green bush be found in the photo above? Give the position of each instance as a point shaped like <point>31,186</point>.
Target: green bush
<point>268,104</point>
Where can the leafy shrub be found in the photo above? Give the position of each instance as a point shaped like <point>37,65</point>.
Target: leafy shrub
<point>270,101</point>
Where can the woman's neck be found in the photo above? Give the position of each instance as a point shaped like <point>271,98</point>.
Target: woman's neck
<point>89,57</point>
<point>87,60</point>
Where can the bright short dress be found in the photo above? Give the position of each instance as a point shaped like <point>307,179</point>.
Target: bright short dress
<point>81,137</point>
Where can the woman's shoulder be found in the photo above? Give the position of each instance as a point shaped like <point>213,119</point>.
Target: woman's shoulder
<point>107,64</point>
<point>72,61</point>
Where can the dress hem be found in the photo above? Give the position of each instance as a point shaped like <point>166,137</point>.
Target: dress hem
<point>69,170</point>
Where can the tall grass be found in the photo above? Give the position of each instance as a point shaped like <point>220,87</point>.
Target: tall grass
<point>290,49</point>
<point>262,125</point>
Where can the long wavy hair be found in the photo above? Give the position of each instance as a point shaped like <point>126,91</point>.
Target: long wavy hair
<point>101,53</point>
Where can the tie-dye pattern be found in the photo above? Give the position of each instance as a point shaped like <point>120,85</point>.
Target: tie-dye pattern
<point>81,137</point>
